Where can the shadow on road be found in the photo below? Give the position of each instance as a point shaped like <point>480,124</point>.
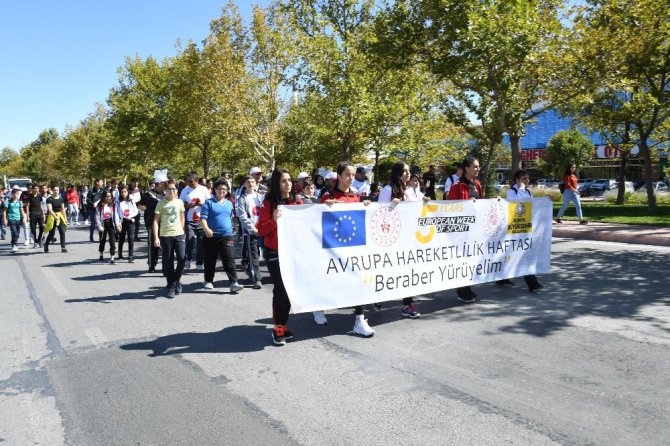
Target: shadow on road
<point>235,339</point>
<point>152,293</point>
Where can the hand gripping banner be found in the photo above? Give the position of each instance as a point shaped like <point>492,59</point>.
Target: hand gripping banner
<point>352,254</point>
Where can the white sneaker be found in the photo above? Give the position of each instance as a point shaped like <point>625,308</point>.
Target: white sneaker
<point>27,242</point>
<point>208,286</point>
<point>235,287</point>
<point>200,268</point>
<point>361,327</point>
<point>15,248</point>
<point>320,317</point>
<point>187,265</point>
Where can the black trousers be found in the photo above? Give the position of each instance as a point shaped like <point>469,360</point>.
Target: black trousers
<point>127,230</point>
<point>152,251</point>
<point>281,305</point>
<point>219,247</point>
<point>52,233</point>
<point>137,226</point>
<point>532,282</point>
<point>174,248</point>
<point>108,229</point>
<point>35,221</point>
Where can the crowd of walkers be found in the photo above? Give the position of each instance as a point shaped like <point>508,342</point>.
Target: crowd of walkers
<point>191,224</point>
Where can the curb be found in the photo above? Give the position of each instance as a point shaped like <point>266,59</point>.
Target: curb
<point>633,234</point>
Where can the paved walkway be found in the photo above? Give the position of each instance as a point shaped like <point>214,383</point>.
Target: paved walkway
<point>614,232</point>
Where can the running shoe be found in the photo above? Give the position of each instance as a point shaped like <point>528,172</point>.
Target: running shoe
<point>377,306</point>
<point>410,312</point>
<point>112,261</point>
<point>258,285</point>
<point>279,335</point>
<point>200,268</point>
<point>171,293</point>
<point>235,287</point>
<point>187,265</point>
<point>466,299</point>
<point>177,289</point>
<point>63,250</point>
<point>208,286</point>
<point>131,259</point>
<point>361,328</point>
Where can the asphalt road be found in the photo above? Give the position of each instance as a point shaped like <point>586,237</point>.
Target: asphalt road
<point>93,354</point>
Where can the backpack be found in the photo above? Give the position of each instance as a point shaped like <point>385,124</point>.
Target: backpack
<point>561,187</point>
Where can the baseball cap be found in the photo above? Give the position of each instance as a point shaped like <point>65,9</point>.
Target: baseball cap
<point>255,170</point>
<point>302,175</point>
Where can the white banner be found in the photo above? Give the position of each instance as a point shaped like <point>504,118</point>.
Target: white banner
<point>352,254</point>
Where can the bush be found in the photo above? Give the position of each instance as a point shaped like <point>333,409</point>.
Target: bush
<point>555,194</point>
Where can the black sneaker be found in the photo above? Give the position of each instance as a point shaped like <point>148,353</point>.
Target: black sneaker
<point>278,336</point>
<point>120,257</point>
<point>46,248</point>
<point>171,293</point>
<point>504,282</point>
<point>102,258</point>
<point>177,288</point>
<point>559,221</point>
<point>467,299</point>
<point>152,269</point>
<point>288,335</point>
<point>378,306</point>
<point>131,259</point>
<point>63,250</point>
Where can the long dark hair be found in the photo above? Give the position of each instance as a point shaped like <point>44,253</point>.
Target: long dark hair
<point>274,192</point>
<point>568,170</point>
<point>397,187</point>
<point>519,174</point>
<point>341,167</point>
<point>101,203</point>
<point>467,162</point>
<point>123,186</point>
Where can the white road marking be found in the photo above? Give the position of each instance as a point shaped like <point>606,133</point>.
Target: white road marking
<point>96,335</point>
<point>55,283</point>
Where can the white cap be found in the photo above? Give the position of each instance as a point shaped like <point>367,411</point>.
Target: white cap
<point>255,170</point>
<point>331,176</point>
<point>302,175</point>
<point>160,176</point>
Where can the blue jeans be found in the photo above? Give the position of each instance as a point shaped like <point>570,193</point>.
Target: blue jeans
<point>15,229</point>
<point>568,196</point>
<point>194,236</point>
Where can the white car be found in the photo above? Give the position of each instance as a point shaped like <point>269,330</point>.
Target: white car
<point>628,187</point>
<point>658,186</point>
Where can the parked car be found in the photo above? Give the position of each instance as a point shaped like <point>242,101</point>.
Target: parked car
<point>628,186</point>
<point>584,186</point>
<point>500,185</point>
<point>602,185</point>
<point>658,186</point>
<point>547,182</point>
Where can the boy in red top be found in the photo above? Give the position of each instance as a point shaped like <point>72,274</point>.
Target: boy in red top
<point>72,199</point>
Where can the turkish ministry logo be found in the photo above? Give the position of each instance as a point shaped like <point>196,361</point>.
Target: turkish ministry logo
<point>385,226</point>
<point>342,229</point>
<point>493,219</point>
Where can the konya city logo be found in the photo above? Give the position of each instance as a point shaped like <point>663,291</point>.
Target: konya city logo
<point>494,219</point>
<point>520,218</point>
<point>342,229</point>
<point>385,226</point>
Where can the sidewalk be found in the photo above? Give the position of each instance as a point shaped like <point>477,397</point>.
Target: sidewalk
<point>614,232</point>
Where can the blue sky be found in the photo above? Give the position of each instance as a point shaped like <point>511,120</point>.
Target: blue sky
<point>61,57</point>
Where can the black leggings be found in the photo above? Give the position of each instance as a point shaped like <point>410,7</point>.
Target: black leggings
<point>127,230</point>
<point>108,228</point>
<point>52,233</point>
<point>281,305</point>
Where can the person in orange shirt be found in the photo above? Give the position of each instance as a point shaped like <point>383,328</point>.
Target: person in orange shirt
<point>571,194</point>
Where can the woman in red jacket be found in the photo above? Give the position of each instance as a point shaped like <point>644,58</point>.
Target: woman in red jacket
<point>468,187</point>
<point>279,194</point>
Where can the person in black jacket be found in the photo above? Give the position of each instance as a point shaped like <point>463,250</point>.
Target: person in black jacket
<point>148,204</point>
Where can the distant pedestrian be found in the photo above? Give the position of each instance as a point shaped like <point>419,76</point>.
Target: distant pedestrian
<point>13,216</point>
<point>248,209</point>
<point>56,219</point>
<point>148,204</point>
<point>571,194</point>
<point>452,179</point>
<point>194,196</point>
<point>126,211</point>
<point>429,180</point>
<point>107,222</point>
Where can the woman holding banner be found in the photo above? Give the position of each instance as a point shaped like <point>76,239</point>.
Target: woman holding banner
<point>344,193</point>
<point>398,190</point>
<point>519,191</point>
<point>468,187</point>
<point>279,194</point>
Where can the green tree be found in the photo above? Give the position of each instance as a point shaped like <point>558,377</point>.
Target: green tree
<point>622,53</point>
<point>566,146</point>
<point>81,144</point>
<point>501,57</point>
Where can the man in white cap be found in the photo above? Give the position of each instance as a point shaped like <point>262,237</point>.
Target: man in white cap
<point>194,196</point>
<point>148,203</point>
<point>257,173</point>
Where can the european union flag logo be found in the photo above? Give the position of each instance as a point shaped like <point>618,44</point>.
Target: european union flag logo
<point>343,228</point>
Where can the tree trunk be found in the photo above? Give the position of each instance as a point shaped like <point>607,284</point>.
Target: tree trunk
<point>622,178</point>
<point>205,160</point>
<point>651,196</point>
<point>376,166</point>
<point>344,149</point>
<point>515,142</point>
